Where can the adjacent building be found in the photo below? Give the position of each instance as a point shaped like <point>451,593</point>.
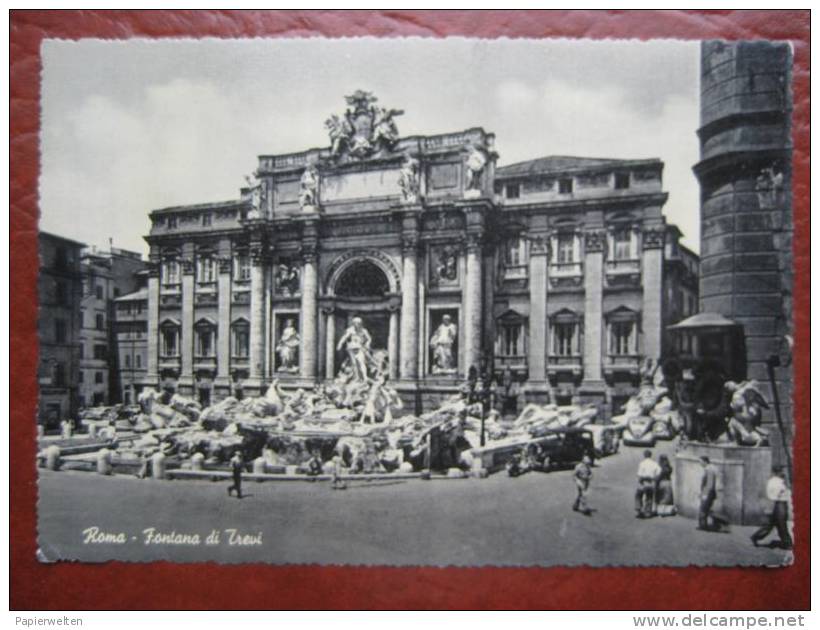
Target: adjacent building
<point>106,275</point>
<point>746,203</point>
<point>58,326</point>
<point>131,333</point>
<point>558,274</point>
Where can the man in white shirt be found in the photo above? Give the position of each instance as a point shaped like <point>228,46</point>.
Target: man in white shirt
<point>778,493</point>
<point>648,473</point>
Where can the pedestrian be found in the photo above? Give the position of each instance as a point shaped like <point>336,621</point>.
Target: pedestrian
<point>778,493</point>
<point>664,497</point>
<point>708,494</point>
<point>236,469</point>
<point>582,475</point>
<point>648,473</point>
<point>338,483</point>
<point>314,465</point>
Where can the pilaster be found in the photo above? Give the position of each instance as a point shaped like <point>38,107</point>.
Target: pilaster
<point>653,243</point>
<point>186,340</point>
<point>152,376</point>
<point>310,296</point>
<point>223,336</point>
<point>594,241</point>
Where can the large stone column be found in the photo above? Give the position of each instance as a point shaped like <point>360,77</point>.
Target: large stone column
<point>593,309</point>
<point>257,308</point>
<point>186,340</point>
<point>472,303</point>
<point>308,313</point>
<point>152,376</point>
<point>223,335</point>
<point>330,342</point>
<point>409,308</point>
<point>393,344</point>
<point>537,358</point>
<point>653,242</point>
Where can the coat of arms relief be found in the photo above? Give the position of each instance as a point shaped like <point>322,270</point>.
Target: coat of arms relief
<point>364,129</point>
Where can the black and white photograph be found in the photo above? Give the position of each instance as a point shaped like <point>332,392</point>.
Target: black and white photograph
<point>416,302</point>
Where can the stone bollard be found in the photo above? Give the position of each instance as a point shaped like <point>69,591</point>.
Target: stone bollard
<point>92,430</point>
<point>477,470</point>
<point>158,465</point>
<point>197,460</point>
<point>104,462</point>
<point>291,470</point>
<point>53,457</point>
<point>41,431</point>
<point>259,466</point>
<point>65,429</point>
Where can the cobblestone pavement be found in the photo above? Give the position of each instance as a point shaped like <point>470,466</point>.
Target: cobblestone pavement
<point>495,521</point>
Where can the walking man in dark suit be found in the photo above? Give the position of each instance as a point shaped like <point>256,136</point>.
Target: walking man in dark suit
<point>236,469</point>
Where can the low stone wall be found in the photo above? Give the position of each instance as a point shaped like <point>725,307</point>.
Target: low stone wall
<point>741,484</point>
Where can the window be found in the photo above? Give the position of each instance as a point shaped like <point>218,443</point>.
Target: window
<point>241,339</point>
<point>513,191</point>
<point>99,321</point>
<point>205,341</point>
<point>61,294</point>
<point>512,340</point>
<point>622,244</point>
<point>206,219</point>
<point>206,270</point>
<point>242,268</point>
<point>170,272</point>
<point>80,377</point>
<point>58,375</point>
<point>565,186</point>
<point>566,249</point>
<point>621,338</point>
<point>126,397</point>
<point>100,352</point>
<point>565,334</point>
<point>98,399</point>
<point>98,377</point>
<point>138,361</point>
<point>60,257</point>
<point>128,360</point>
<point>515,258</point>
<point>564,339</point>
<point>98,291</point>
<point>82,351</point>
<point>59,331</point>
<point>172,223</point>
<point>170,341</point>
<point>116,292</point>
<point>621,181</point>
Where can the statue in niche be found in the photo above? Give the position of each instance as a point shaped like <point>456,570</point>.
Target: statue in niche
<point>256,192</point>
<point>409,181</point>
<point>356,342</point>
<point>476,161</point>
<point>288,347</point>
<point>445,267</point>
<point>287,279</point>
<point>308,188</point>
<point>442,343</point>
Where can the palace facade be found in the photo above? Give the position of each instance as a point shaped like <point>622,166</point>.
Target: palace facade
<point>559,274</point>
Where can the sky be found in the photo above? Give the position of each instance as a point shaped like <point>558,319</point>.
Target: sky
<point>131,126</point>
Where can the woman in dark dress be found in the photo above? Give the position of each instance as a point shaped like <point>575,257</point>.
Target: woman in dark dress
<point>665,499</point>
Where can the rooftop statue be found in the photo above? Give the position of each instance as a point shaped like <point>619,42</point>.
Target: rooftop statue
<point>256,192</point>
<point>309,188</point>
<point>364,129</point>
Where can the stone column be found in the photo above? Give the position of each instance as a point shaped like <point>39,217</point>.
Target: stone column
<point>223,335</point>
<point>472,303</point>
<point>653,243</point>
<point>257,309</point>
<point>330,343</point>
<point>538,308</point>
<point>308,314</point>
<point>409,308</point>
<point>593,306</point>
<point>393,344</point>
<point>152,376</point>
<point>186,340</point>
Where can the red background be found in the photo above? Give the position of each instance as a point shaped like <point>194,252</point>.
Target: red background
<point>202,586</point>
